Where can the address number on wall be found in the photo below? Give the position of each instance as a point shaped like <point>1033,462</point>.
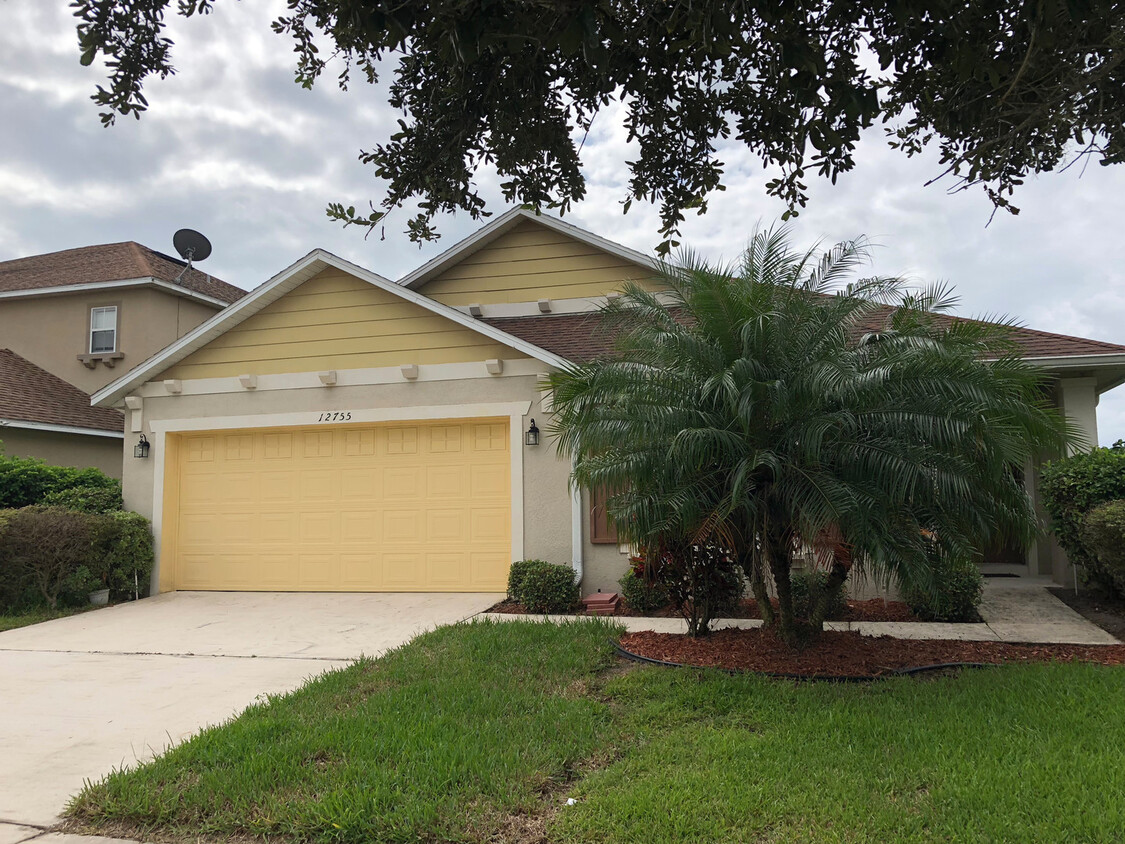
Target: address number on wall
<point>335,416</point>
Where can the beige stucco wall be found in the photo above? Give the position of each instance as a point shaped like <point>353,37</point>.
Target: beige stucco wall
<point>60,449</point>
<point>51,331</point>
<point>547,519</point>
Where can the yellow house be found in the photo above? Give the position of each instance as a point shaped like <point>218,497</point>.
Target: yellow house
<point>338,431</point>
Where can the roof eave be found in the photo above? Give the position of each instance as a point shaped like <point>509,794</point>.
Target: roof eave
<point>144,281</point>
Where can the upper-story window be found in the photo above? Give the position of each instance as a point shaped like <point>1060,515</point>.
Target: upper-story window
<point>103,330</point>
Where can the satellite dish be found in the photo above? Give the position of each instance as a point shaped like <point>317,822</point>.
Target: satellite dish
<point>191,245</point>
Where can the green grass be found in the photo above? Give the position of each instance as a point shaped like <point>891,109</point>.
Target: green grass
<point>23,619</point>
<point>448,736</point>
<point>430,742</point>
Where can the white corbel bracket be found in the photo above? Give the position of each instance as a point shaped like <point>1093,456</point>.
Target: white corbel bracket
<point>248,382</point>
<point>136,405</point>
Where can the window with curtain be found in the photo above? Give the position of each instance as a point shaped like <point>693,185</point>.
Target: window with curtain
<point>103,330</point>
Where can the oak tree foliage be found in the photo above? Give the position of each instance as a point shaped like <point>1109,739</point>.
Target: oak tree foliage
<point>1003,89</point>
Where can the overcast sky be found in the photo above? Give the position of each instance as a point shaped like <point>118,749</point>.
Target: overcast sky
<point>232,147</point>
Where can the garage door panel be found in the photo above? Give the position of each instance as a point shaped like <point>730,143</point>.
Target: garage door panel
<point>488,524</point>
<point>487,568</point>
<point>402,570</point>
<point>446,569</point>
<point>381,507</point>
<point>317,570</point>
<point>278,570</point>
<point>279,486</point>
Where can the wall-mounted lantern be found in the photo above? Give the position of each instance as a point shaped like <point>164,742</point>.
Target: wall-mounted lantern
<point>532,435</point>
<point>141,448</point>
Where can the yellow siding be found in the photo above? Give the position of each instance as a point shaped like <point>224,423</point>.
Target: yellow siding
<point>528,263</point>
<point>337,321</point>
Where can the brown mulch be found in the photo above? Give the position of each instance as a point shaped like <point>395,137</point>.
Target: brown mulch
<point>847,654</point>
<point>874,609</point>
<point>1106,611</point>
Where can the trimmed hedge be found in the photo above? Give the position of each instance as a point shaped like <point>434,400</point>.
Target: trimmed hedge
<point>1103,534</point>
<point>956,593</point>
<point>52,555</point>
<point>27,480</point>
<point>807,589</point>
<point>642,596</point>
<point>543,587</point>
<point>86,499</point>
<point>1071,488</point>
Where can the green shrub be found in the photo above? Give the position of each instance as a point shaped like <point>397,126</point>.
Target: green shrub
<point>547,588</point>
<point>85,499</point>
<point>27,480</point>
<point>128,560</point>
<point>1103,535</point>
<point>955,594</point>
<point>1071,488</point>
<point>809,587</point>
<point>640,594</point>
<point>52,556</point>
<point>46,547</point>
<point>517,573</point>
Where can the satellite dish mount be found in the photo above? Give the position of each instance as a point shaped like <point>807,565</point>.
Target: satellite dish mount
<point>192,246</point>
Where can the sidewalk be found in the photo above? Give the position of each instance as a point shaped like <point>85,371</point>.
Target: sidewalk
<point>1013,609</point>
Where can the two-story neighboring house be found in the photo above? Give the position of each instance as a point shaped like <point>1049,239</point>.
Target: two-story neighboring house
<point>73,321</point>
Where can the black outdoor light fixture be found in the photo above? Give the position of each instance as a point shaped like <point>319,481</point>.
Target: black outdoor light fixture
<point>532,435</point>
<point>141,448</point>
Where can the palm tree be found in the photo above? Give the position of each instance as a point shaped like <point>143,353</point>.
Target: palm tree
<point>776,406</point>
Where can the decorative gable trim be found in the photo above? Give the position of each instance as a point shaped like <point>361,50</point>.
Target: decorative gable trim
<point>272,290</point>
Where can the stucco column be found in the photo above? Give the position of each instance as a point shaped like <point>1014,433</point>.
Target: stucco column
<point>1079,400</point>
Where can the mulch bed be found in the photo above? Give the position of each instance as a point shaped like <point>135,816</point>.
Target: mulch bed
<point>875,609</point>
<point>847,654</point>
<point>1103,610</point>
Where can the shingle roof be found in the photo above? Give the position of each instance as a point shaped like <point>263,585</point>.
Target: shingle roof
<point>31,394</point>
<point>109,262</point>
<point>580,337</point>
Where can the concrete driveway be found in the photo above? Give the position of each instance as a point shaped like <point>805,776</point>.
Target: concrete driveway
<point>81,696</point>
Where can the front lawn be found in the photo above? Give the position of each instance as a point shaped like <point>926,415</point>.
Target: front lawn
<point>482,731</point>
<point>23,619</point>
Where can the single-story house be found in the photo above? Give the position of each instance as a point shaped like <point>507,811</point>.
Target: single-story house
<point>72,321</point>
<point>338,431</point>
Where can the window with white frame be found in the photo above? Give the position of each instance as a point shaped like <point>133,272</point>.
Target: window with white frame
<point>103,330</point>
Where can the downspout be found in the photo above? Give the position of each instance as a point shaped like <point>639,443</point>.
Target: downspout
<point>576,521</point>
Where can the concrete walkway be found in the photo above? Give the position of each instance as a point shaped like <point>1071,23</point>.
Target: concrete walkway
<point>83,695</point>
<point>1013,609</point>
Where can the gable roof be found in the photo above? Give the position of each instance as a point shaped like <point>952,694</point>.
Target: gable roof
<point>110,262</point>
<point>505,223</point>
<point>578,337</point>
<point>31,394</point>
<point>272,290</point>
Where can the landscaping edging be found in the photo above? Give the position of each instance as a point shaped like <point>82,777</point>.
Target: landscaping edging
<point>823,678</point>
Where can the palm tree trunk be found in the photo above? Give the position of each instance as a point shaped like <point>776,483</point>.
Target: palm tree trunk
<point>753,567</point>
<point>836,577</point>
<point>780,567</point>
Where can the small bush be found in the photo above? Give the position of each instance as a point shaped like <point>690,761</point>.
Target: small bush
<point>85,499</point>
<point>27,480</point>
<point>808,587</point>
<point>128,555</point>
<point>517,573</point>
<point>1071,488</point>
<point>1103,534</point>
<point>640,594</point>
<point>956,592</point>
<point>547,588</point>
<point>703,581</point>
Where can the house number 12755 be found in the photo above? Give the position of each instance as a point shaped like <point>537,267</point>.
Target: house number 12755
<point>336,416</point>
